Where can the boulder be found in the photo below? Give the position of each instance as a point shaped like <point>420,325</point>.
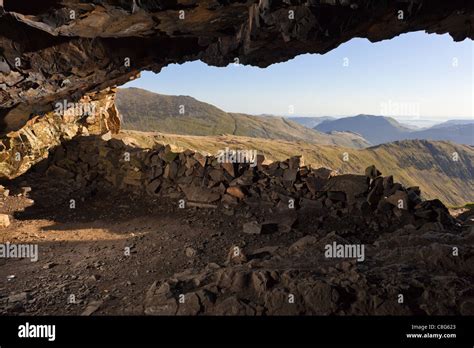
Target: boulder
<point>294,162</point>
<point>376,192</point>
<point>352,185</point>
<point>290,174</point>
<point>199,194</point>
<point>315,184</point>
<point>229,168</point>
<point>399,199</point>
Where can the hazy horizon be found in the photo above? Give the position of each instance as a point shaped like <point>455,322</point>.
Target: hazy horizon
<point>415,76</point>
<point>421,122</point>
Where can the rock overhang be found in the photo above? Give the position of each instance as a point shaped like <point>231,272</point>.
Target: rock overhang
<point>62,49</point>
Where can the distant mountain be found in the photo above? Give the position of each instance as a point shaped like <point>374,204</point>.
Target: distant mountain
<point>376,129</point>
<point>310,122</point>
<point>147,111</point>
<point>451,123</point>
<point>457,133</point>
<point>380,129</point>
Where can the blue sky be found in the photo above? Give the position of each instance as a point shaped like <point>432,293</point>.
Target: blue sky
<point>413,76</point>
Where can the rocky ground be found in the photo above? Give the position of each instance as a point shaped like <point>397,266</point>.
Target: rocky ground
<point>169,233</point>
<point>83,251</point>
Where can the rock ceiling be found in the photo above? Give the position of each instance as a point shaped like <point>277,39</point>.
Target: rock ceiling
<point>51,50</point>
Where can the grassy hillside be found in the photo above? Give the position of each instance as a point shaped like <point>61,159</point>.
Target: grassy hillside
<point>146,111</point>
<point>427,164</point>
<point>311,122</point>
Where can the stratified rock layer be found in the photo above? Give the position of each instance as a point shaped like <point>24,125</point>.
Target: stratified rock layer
<point>95,113</point>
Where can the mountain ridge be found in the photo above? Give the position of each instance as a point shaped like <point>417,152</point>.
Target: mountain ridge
<point>147,111</point>
<point>382,129</point>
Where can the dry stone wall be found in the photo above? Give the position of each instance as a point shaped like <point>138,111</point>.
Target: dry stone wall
<point>283,188</point>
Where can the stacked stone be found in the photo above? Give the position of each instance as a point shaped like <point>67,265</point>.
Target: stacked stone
<point>282,187</point>
<point>286,185</point>
<point>91,161</point>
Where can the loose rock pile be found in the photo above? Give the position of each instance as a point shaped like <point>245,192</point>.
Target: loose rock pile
<point>405,273</point>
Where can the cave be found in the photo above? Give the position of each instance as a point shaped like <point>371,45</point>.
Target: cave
<point>260,227</point>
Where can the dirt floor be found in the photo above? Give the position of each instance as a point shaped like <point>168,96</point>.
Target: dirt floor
<point>82,251</point>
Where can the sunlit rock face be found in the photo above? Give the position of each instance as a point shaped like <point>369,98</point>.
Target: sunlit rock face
<point>55,50</point>
<point>93,114</point>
